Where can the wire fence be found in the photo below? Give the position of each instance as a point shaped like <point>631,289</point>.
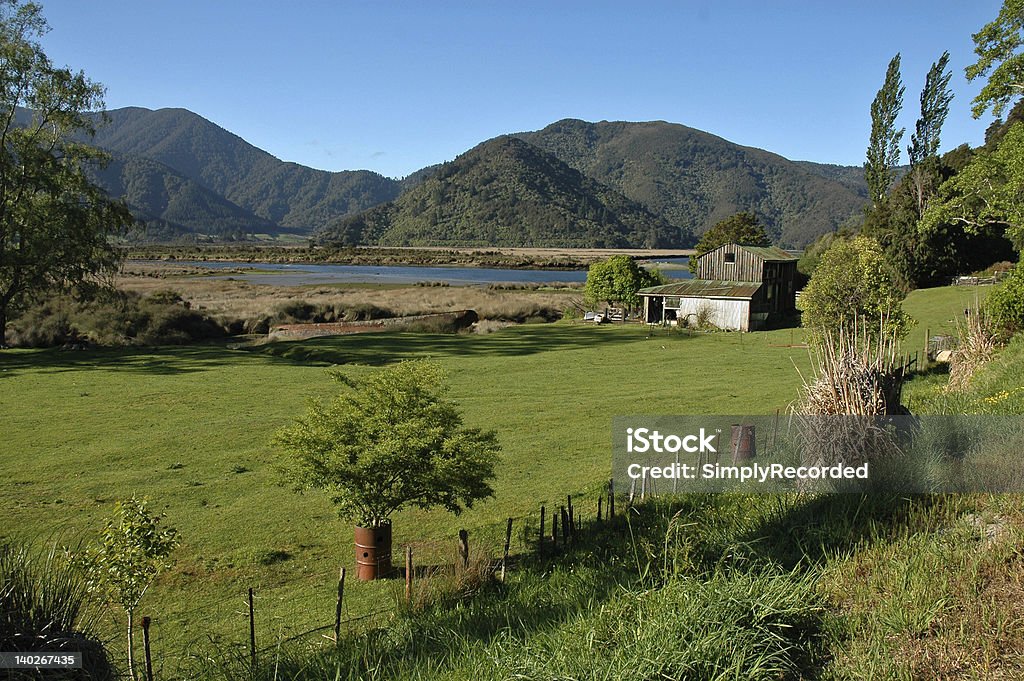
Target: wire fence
<point>306,610</point>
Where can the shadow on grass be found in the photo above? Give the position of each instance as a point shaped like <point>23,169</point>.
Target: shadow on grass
<point>158,361</point>
<point>376,349</point>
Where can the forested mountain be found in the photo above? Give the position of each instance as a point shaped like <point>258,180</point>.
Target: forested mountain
<point>694,178</point>
<point>183,174</point>
<point>506,192</point>
<point>284,194</point>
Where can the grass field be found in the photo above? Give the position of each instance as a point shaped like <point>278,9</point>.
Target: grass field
<point>190,428</point>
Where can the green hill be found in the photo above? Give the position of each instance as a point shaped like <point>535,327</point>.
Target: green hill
<point>695,179</point>
<point>506,192</point>
<point>288,195</point>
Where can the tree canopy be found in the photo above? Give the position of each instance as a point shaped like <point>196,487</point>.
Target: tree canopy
<point>883,153</point>
<point>617,280</point>
<point>54,223</point>
<point>742,228</point>
<point>852,284</point>
<point>390,440</point>
<point>1000,57</point>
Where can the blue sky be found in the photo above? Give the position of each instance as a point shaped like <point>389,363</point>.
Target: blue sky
<point>395,86</point>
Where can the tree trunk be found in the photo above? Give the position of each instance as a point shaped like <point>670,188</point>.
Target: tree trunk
<point>131,645</point>
<point>3,326</point>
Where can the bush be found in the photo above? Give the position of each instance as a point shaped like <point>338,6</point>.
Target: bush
<point>122,318</point>
<point>1005,304</point>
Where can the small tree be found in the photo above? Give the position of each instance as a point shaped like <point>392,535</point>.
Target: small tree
<point>742,228</point>
<point>853,282</point>
<point>133,550</point>
<point>617,280</point>
<point>391,440</point>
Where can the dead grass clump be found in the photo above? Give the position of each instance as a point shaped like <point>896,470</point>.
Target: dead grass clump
<point>977,343</point>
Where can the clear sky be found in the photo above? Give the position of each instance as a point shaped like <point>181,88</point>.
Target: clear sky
<point>395,86</point>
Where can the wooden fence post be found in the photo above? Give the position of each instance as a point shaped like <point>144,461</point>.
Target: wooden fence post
<point>566,528</point>
<point>337,608</point>
<point>508,545</point>
<point>611,499</point>
<point>464,547</point>
<point>252,632</point>
<point>408,573</point>
<point>540,544</point>
<point>600,498</point>
<point>554,530</point>
<point>145,643</point>
<point>572,517</point>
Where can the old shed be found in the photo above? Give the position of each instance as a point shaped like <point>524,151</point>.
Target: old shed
<point>739,288</point>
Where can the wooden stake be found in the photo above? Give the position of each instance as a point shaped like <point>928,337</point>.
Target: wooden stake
<point>464,548</point>
<point>554,530</point>
<point>600,498</point>
<point>572,517</point>
<point>252,632</point>
<point>408,573</point>
<point>611,499</point>
<point>541,543</point>
<point>337,608</point>
<point>566,527</point>
<point>508,545</point>
<point>145,643</point>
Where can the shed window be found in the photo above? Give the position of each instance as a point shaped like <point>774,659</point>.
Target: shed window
<point>730,258</point>
<point>672,301</point>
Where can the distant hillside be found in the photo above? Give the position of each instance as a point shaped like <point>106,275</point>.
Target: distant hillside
<point>695,179</point>
<point>287,195</point>
<point>506,192</point>
<point>171,204</point>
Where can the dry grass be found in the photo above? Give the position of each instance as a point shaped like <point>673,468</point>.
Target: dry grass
<point>244,300</point>
<point>853,383</point>
<point>977,340</point>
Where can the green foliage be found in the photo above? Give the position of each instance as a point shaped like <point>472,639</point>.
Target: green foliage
<point>852,284</point>
<point>694,178</point>
<point>506,192</point>
<point>133,550</point>
<point>931,254</point>
<point>1005,304</point>
<point>118,318</point>
<point>884,145</point>
<point>391,440</point>
<point>998,46</point>
<point>742,228</point>
<point>617,280</point>
<point>924,147</point>
<point>54,223</point>
<point>988,192</point>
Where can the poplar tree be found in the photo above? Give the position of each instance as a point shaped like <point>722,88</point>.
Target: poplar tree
<point>884,146</point>
<point>924,143</point>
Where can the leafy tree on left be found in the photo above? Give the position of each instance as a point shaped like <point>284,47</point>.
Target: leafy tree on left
<point>55,225</point>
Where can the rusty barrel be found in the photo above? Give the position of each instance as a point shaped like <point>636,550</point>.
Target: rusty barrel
<point>373,552</point>
<point>742,444</point>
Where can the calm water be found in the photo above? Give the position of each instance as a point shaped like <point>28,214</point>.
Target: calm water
<point>303,274</point>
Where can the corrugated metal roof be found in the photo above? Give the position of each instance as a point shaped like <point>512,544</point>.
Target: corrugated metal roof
<point>705,288</point>
<point>769,253</point>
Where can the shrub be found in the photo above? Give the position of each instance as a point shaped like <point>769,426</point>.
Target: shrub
<point>1005,304</point>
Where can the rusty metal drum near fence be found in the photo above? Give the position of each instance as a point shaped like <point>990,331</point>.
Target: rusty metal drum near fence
<point>373,552</point>
<point>742,445</point>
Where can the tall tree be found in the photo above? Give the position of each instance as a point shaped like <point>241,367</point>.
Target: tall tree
<point>1000,57</point>
<point>924,143</point>
<point>884,145</point>
<point>54,223</point>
